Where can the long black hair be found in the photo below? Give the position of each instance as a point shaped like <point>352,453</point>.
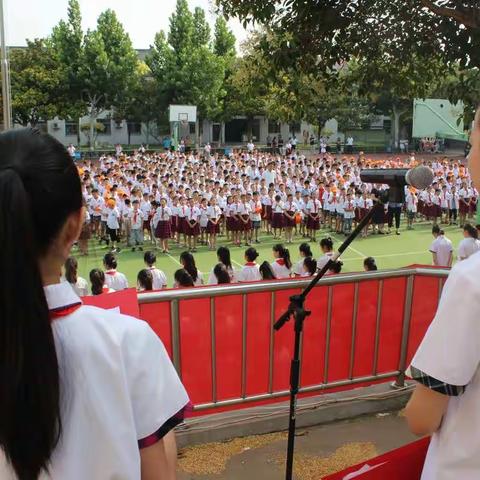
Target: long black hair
<point>284,253</point>
<point>251,254</point>
<point>39,189</point>
<point>327,243</point>
<point>71,267</point>
<point>310,265</point>
<point>223,254</point>
<point>183,278</point>
<point>188,262</point>
<point>222,274</point>
<point>110,261</point>
<point>370,264</point>
<point>97,279</point>
<point>145,279</point>
<point>305,249</point>
<point>266,271</point>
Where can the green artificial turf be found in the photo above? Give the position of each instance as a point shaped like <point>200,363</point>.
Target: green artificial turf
<point>390,251</point>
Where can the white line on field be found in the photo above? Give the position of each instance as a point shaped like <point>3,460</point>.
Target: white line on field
<point>236,263</point>
<point>385,255</point>
<point>174,259</point>
<point>358,252</point>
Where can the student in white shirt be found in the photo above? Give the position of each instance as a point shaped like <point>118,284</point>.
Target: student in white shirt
<point>159,278</point>
<point>104,377</point>
<point>97,281</point>
<point>188,263</point>
<point>441,248</point>
<point>298,269</point>
<point>136,225</point>
<point>214,214</point>
<point>113,279</point>
<point>470,244</point>
<point>113,219</point>
<point>162,224</point>
<point>144,281</point>
<point>282,266</point>
<point>79,284</point>
<point>326,246</point>
<point>447,369</point>
<point>250,271</point>
<point>223,256</point>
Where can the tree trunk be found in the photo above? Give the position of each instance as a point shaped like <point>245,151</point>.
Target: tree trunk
<point>396,127</point>
<point>249,128</point>
<point>129,131</point>
<point>91,139</point>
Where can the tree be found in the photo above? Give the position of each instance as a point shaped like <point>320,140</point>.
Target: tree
<point>334,32</point>
<point>35,78</point>
<point>185,67</point>
<point>102,66</point>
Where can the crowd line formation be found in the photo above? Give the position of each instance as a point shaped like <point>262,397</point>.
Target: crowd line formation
<point>192,199</point>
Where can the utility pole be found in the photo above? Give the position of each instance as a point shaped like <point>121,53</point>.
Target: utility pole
<point>7,104</point>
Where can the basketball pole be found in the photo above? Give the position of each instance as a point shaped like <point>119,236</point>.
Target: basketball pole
<point>7,105</point>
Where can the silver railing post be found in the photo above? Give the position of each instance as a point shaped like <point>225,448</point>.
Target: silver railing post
<point>175,326</point>
<point>407,317</point>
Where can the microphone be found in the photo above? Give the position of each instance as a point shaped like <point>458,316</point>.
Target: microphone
<point>419,177</point>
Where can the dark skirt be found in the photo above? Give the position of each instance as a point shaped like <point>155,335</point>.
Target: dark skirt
<point>245,226</point>
<point>229,224</point>
<point>191,231</point>
<point>174,224</point>
<point>146,224</point>
<point>473,206</point>
<point>379,217</point>
<point>213,228</point>
<point>163,230</point>
<point>464,207</point>
<point>268,213</point>
<point>313,224</point>
<point>181,222</point>
<point>277,220</point>
<point>287,221</point>
<point>357,214</point>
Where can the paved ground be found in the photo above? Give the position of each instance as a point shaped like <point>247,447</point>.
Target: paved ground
<point>320,451</point>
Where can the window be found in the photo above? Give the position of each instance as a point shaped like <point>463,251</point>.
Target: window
<point>135,128</point>
<point>192,128</point>
<point>295,127</point>
<point>273,126</point>
<point>107,124</point>
<point>71,129</point>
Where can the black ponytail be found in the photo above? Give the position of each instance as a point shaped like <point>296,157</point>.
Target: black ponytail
<point>223,254</point>
<point>71,267</point>
<point>97,279</point>
<point>39,189</point>
<point>188,262</point>
<point>284,253</point>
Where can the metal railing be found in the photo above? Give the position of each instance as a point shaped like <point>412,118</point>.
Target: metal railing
<point>174,297</point>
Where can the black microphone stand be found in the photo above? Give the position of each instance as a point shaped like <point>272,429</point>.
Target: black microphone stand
<point>296,308</point>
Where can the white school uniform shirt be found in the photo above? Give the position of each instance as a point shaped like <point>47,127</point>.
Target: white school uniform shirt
<point>468,246</point>
<point>323,260</point>
<point>212,278</point>
<point>349,204</point>
<point>250,272</point>
<point>116,280</point>
<point>95,206</point>
<point>136,219</point>
<point>214,212</point>
<point>444,198</point>
<point>159,278</point>
<point>146,208</point>
<point>119,385</point>
<point>192,214</point>
<point>450,353</point>
<point>280,270</point>
<point>314,206</point>
<point>254,215</point>
<point>299,269</point>
<point>411,203</point>
<point>442,246</point>
<point>112,218</point>
<point>162,214</point>
<point>277,207</point>
<point>453,203</point>
<point>203,217</point>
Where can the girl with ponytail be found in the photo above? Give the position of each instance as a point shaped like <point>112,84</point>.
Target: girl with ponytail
<point>282,266</point>
<point>69,375</point>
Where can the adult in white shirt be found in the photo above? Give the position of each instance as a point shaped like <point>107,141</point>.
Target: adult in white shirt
<point>446,366</point>
<point>470,244</point>
<point>282,266</point>
<point>159,278</point>
<point>441,248</point>
<point>104,377</point>
<point>113,279</point>
<point>250,272</point>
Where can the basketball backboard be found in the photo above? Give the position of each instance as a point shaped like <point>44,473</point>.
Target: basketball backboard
<point>183,113</point>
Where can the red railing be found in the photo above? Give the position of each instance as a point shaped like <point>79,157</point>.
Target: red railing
<point>364,328</point>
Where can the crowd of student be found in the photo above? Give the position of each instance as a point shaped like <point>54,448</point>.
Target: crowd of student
<point>192,199</point>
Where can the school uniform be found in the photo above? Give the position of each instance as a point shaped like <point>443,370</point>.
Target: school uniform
<point>324,259</point>
<point>278,217</point>
<point>448,362</point>
<point>235,222</point>
<point>255,213</point>
<point>182,223</point>
<point>266,208</point>
<point>203,218</point>
<point>116,280</point>
<point>467,247</point>
<point>192,215</point>
<point>250,272</point>
<point>121,391</point>
<point>280,270</point>
<point>464,200</point>
<point>95,206</point>
<point>113,217</point>
<point>443,249</point>
<point>298,269</point>
<point>136,231</point>
<point>146,208</point>
<point>213,214</point>
<point>349,215</point>
<point>313,209</point>
<point>243,211</point>
<point>161,223</point>
<point>212,278</point>
<point>159,278</point>
<point>174,219</point>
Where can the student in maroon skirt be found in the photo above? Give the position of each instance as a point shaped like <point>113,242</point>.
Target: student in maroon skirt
<point>214,214</point>
<point>182,223</point>
<point>289,212</point>
<point>277,216</point>
<point>174,223</point>
<point>192,226</point>
<point>245,225</point>
<point>162,224</point>
<point>228,218</point>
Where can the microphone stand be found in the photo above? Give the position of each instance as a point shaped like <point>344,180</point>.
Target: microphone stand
<point>296,308</point>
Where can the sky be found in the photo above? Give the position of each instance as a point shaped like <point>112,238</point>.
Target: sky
<point>140,18</point>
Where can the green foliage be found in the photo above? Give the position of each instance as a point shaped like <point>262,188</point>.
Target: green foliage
<point>35,78</point>
<point>224,41</point>
<point>184,66</point>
